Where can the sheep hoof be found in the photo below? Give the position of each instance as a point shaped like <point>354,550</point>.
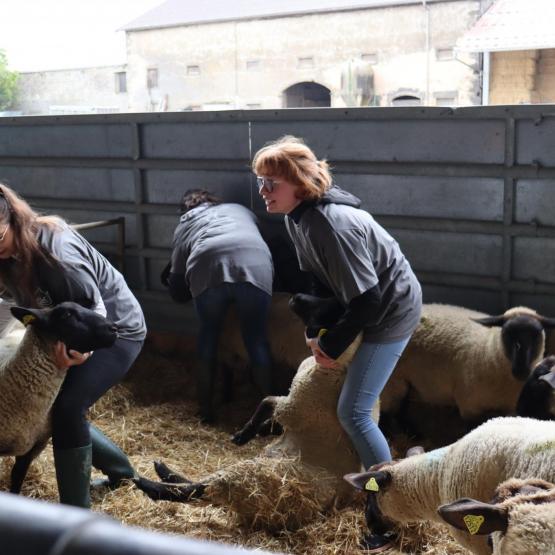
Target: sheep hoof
<point>241,437</point>
<point>376,543</point>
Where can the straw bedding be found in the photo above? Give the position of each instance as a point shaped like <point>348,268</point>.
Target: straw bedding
<point>151,416</point>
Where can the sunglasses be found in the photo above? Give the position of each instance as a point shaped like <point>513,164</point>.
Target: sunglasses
<point>265,183</point>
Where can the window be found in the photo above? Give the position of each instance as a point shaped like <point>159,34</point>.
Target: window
<point>446,98</point>
<point>445,54</point>
<point>254,106</point>
<point>121,82</point>
<point>371,57</point>
<point>193,70</point>
<point>406,100</point>
<point>152,78</point>
<point>306,62</point>
<point>253,65</point>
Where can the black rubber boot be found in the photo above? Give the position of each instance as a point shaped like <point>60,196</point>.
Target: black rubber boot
<point>73,474</point>
<point>110,460</point>
<point>206,374</point>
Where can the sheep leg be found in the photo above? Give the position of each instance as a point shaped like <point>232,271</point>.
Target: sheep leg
<point>160,491</point>
<point>270,428</point>
<point>168,475</point>
<point>21,466</point>
<point>263,412</point>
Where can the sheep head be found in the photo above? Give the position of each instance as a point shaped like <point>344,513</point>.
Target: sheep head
<point>537,398</point>
<point>315,312</point>
<point>80,328</point>
<point>522,336</point>
<point>518,520</point>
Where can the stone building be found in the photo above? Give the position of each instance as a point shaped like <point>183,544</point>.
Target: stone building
<point>517,40</point>
<point>249,54</point>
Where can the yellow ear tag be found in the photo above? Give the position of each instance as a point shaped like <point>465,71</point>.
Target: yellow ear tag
<point>372,485</point>
<point>322,331</point>
<point>27,319</point>
<point>473,523</point>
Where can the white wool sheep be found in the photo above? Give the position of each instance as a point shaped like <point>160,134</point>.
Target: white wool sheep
<point>299,474</point>
<point>30,379</point>
<point>537,398</point>
<point>411,490</point>
<point>520,519</point>
<point>454,360</point>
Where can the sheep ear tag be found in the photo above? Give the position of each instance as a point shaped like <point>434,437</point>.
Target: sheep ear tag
<point>27,319</point>
<point>372,485</point>
<point>473,523</point>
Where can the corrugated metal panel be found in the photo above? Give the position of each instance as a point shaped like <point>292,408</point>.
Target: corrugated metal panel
<point>178,12</point>
<point>512,25</point>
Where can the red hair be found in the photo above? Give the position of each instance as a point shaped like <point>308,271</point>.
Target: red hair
<point>290,159</point>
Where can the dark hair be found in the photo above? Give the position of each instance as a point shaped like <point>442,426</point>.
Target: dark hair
<point>195,197</point>
<point>25,224</point>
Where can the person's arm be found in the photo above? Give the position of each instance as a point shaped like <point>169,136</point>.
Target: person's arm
<point>359,312</point>
<point>178,288</point>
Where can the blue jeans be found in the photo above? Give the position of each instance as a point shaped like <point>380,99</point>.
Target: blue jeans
<point>252,305</point>
<point>367,375</point>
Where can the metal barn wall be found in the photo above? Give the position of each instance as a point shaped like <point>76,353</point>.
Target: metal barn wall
<point>468,193</point>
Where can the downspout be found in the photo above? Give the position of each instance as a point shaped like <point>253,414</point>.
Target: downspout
<point>427,33</point>
<point>486,78</point>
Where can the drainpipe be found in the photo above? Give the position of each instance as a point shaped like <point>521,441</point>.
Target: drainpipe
<point>427,32</point>
<point>485,79</point>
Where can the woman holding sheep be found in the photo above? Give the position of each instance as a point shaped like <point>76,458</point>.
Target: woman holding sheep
<point>363,267</point>
<point>44,262</point>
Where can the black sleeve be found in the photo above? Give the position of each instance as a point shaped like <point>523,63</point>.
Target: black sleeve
<point>359,312</point>
<point>178,289</point>
<point>165,274</point>
<point>316,287</point>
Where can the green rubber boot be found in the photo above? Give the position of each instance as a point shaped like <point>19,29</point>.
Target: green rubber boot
<point>73,474</point>
<point>110,460</point>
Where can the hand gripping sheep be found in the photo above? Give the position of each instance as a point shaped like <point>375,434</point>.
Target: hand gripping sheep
<point>30,379</point>
<point>298,475</point>
<point>411,490</point>
<point>519,521</point>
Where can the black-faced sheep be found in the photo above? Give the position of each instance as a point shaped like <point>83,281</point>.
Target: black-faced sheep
<point>411,490</point>
<point>537,398</point>
<point>468,360</point>
<point>520,520</point>
<point>299,474</point>
<point>30,379</point>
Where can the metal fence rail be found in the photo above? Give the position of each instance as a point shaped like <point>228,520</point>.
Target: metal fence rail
<point>30,527</point>
<point>468,193</point>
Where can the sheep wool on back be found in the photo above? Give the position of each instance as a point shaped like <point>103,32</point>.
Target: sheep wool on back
<point>26,372</point>
<point>502,448</point>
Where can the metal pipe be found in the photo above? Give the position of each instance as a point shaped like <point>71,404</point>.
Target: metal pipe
<point>33,527</point>
<point>486,79</point>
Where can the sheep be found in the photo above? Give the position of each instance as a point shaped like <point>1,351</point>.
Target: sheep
<point>296,476</point>
<point>411,490</point>
<point>467,360</point>
<point>30,379</point>
<point>520,520</point>
<point>537,398</point>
